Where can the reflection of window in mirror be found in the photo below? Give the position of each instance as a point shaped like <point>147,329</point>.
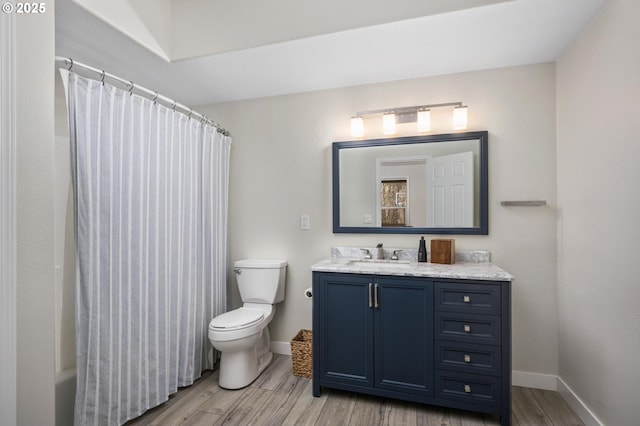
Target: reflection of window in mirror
<point>394,202</point>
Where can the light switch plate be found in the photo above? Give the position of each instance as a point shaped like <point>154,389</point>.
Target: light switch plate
<point>305,221</point>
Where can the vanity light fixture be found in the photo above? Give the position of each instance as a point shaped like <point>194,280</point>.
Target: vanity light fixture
<point>389,123</point>
<point>424,120</point>
<point>357,126</point>
<point>420,114</point>
<point>459,118</point>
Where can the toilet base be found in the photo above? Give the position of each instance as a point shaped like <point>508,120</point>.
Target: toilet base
<point>239,369</point>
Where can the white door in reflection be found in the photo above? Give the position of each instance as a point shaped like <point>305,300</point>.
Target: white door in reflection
<point>450,191</point>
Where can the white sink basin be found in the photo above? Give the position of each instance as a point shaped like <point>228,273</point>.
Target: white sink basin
<point>381,264</point>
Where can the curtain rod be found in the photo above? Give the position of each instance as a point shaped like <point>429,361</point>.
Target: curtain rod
<point>130,86</point>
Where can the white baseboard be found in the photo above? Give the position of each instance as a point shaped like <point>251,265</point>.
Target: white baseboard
<point>555,383</point>
<point>581,409</point>
<point>534,380</point>
<point>282,348</point>
<point>518,378</point>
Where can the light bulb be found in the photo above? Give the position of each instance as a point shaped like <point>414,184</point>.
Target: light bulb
<point>357,127</point>
<point>424,120</point>
<point>389,123</point>
<point>460,118</point>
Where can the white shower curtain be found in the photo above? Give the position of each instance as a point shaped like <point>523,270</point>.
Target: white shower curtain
<point>150,189</point>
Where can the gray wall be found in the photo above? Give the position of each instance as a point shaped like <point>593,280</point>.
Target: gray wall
<point>281,168</point>
<point>599,199</point>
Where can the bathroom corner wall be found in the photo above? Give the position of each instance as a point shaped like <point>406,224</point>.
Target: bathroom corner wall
<point>64,251</point>
<point>281,169</point>
<point>599,198</point>
<point>35,234</point>
<point>64,237</point>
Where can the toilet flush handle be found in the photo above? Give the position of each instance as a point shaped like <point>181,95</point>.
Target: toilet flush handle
<point>237,271</point>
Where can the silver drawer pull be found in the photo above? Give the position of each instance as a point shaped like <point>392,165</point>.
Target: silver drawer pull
<point>370,303</point>
<point>466,299</point>
<point>467,389</point>
<point>467,358</point>
<point>467,328</point>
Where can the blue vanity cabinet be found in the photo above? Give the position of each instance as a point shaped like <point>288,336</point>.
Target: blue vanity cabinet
<point>436,341</point>
<point>473,345</point>
<point>373,332</point>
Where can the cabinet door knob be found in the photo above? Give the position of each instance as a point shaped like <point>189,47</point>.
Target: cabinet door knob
<point>467,389</point>
<point>467,328</point>
<point>466,299</point>
<point>467,358</point>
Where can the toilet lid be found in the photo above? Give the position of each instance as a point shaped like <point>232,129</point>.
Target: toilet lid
<point>238,318</point>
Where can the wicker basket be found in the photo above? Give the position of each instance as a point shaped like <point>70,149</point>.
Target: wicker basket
<point>301,355</point>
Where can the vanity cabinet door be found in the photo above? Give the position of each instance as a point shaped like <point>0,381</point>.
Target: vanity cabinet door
<point>344,329</point>
<point>403,323</point>
<point>375,332</point>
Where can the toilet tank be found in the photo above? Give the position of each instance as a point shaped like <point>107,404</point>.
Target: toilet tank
<point>261,280</point>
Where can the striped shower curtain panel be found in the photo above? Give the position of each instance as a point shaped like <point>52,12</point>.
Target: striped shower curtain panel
<point>150,193</point>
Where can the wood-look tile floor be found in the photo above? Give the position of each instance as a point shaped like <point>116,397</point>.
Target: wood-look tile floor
<point>278,397</point>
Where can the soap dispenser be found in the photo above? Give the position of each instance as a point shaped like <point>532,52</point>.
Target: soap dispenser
<point>422,251</point>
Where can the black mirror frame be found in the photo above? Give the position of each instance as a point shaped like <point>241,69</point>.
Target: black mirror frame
<point>482,229</point>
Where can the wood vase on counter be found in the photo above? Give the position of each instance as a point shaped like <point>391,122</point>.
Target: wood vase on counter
<point>443,251</point>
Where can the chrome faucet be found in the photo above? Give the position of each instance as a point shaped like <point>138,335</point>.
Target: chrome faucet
<point>367,253</point>
<point>380,254</point>
<point>395,254</point>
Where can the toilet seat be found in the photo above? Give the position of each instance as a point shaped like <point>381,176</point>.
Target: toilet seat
<point>237,319</point>
<point>240,323</point>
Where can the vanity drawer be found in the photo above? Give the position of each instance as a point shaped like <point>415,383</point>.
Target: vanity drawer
<point>469,388</point>
<point>468,358</point>
<point>484,329</point>
<point>470,298</point>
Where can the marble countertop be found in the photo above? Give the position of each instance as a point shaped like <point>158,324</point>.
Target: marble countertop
<point>472,265</point>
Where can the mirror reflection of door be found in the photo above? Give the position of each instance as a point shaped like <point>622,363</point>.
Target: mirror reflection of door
<point>394,202</point>
<point>450,191</point>
<point>401,191</point>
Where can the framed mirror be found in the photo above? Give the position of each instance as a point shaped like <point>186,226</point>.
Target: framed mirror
<point>434,184</point>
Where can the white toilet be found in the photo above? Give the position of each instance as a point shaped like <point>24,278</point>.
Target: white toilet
<point>241,335</point>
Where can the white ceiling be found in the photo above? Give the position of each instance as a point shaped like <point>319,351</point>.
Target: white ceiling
<point>244,59</point>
